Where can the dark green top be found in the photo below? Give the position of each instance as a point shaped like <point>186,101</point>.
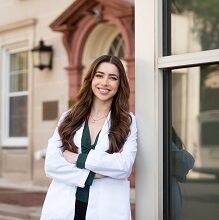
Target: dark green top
<point>82,194</point>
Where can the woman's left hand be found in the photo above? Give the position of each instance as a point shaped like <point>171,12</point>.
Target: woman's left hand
<point>70,156</point>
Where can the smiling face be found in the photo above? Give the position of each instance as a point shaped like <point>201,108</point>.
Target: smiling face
<point>105,82</point>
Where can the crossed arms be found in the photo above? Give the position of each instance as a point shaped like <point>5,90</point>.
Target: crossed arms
<point>62,166</point>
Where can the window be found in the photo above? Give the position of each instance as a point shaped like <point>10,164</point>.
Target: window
<point>198,22</point>
<point>15,87</point>
<point>117,47</point>
<point>191,109</point>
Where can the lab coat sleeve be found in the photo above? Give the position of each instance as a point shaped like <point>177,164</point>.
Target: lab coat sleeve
<point>57,168</point>
<point>116,165</point>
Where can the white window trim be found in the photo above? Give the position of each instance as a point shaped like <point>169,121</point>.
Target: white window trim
<point>149,64</point>
<point>148,100</point>
<point>183,60</point>
<point>6,140</point>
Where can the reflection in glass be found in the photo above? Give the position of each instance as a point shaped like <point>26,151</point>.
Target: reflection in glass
<point>182,162</point>
<point>194,25</point>
<point>195,117</point>
<point>209,88</point>
<point>18,116</point>
<point>18,72</point>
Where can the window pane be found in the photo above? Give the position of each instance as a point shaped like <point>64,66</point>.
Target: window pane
<point>18,117</point>
<point>209,134</point>
<point>209,88</point>
<point>18,71</point>
<point>195,146</point>
<point>194,25</point>
<point>117,47</point>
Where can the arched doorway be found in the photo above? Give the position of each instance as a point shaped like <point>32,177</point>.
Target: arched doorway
<point>109,41</point>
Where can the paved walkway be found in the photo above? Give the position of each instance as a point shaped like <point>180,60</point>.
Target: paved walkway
<point>16,212</point>
<point>20,202</point>
<point>24,202</point>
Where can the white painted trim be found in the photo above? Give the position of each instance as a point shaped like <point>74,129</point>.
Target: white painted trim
<point>147,92</point>
<point>18,25</point>
<point>189,59</point>
<point>14,94</point>
<point>15,142</point>
<point>15,37</point>
<point>5,139</point>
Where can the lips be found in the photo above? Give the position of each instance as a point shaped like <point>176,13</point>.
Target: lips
<point>104,90</point>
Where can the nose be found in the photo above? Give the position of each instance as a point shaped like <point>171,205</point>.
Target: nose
<point>105,81</point>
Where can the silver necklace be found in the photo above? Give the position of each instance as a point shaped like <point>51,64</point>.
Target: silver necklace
<point>94,120</point>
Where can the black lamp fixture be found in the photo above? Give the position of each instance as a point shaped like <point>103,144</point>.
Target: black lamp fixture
<point>42,56</point>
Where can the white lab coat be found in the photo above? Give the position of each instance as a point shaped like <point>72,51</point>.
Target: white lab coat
<point>109,197</point>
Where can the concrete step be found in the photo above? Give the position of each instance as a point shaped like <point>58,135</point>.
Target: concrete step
<point>14,212</point>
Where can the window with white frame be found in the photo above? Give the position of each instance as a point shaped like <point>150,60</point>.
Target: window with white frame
<point>15,87</point>
<point>190,63</point>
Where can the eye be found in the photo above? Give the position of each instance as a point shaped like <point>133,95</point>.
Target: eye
<point>113,77</point>
<point>98,75</point>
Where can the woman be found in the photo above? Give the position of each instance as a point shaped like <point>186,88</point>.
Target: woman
<point>92,151</point>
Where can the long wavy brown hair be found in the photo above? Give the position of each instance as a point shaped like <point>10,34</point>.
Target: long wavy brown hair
<point>120,117</point>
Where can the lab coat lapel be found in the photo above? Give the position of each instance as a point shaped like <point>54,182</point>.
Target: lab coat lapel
<point>105,129</point>
<point>78,136</point>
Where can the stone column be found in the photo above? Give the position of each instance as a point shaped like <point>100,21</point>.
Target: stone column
<point>74,76</point>
<point>131,75</point>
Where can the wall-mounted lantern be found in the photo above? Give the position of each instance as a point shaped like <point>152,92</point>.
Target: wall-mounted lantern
<point>42,56</point>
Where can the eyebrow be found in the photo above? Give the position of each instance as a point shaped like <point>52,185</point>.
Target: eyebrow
<point>111,74</point>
